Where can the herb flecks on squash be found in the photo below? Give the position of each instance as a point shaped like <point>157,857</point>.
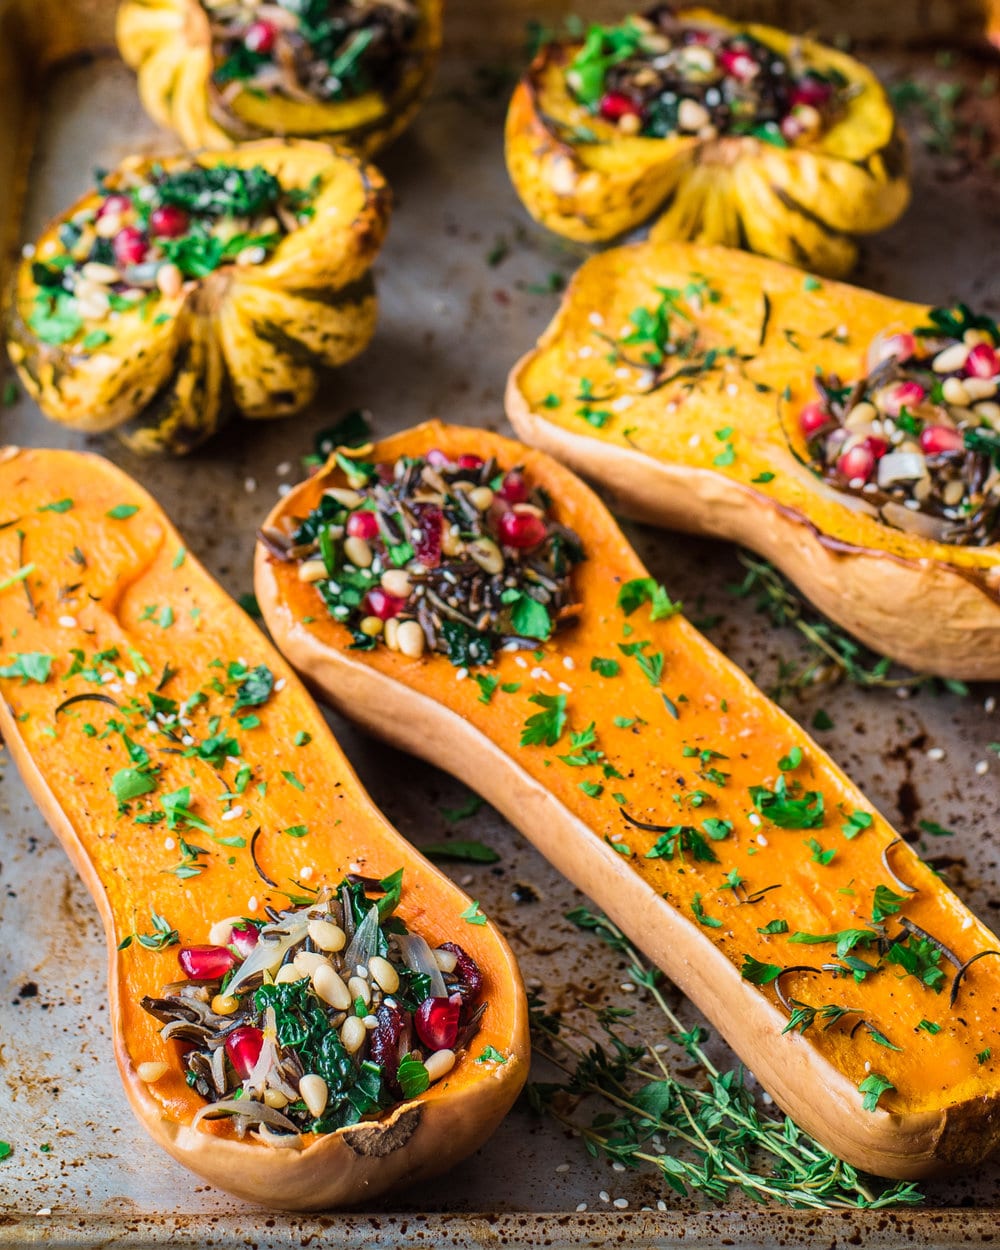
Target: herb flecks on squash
<point>678,376</point>
<point>185,770</point>
<point>703,819</point>
<point>184,288</point>
<point>598,141</point>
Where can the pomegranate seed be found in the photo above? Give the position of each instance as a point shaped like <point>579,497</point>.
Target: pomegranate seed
<point>382,605</point>
<point>791,128</point>
<point>469,461</point>
<point>521,529</point>
<point>936,440</point>
<point>737,63</point>
<point>384,1039</point>
<point>206,963</point>
<point>436,458</point>
<point>470,979</point>
<point>812,418</point>
<point>168,222</point>
<point>436,1021</point>
<point>877,446</point>
<point>982,362</point>
<point>513,489</point>
<point>903,395</point>
<point>859,462</point>
<point>260,36</point>
<point>116,204</point>
<point>244,938</point>
<point>615,105</point>
<point>243,1046</point>
<point>129,246</point>
<point>812,91</point>
<point>431,522</point>
<point>901,345</point>
<point>363,525</point>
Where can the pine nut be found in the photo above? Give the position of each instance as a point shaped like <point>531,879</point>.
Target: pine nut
<point>397,582</point>
<point>383,974</point>
<point>562,177</point>
<point>225,1004</point>
<point>692,116</point>
<point>222,931</point>
<point>170,280</point>
<point>275,1098</point>
<point>251,255</point>
<point>372,626</point>
<point>357,551</point>
<point>951,359</point>
<point>953,493</point>
<point>954,392</point>
<point>314,1093</point>
<point>451,541</point>
<point>327,935</point>
<point>971,337</point>
<point>360,988</point>
<point>151,1071</point>
<point>93,305</point>
<point>107,227</point>
<point>391,634</point>
<point>979,388</point>
<point>103,275</point>
<point>630,123</point>
<point>312,571</point>
<point>861,416</point>
<point>349,498</point>
<point>353,1034</point>
<point>988,412</point>
<point>331,988</point>
<point>439,1064</point>
<point>486,554</point>
<point>308,961</point>
<point>288,973</point>
<point>410,640</point>
<point>447,961</point>
<point>481,498</point>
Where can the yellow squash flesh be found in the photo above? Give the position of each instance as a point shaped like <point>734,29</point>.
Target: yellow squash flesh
<point>803,204</point>
<point>118,565</point>
<point>249,337</point>
<point>168,43</point>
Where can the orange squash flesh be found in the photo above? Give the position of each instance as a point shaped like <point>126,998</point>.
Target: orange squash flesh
<point>934,606</point>
<point>98,582</point>
<point>943,1109</point>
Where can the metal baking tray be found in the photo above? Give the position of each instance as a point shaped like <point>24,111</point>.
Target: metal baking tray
<point>466,284</point>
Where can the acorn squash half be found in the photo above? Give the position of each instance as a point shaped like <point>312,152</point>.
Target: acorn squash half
<point>584,172</point>
<point>679,377</point>
<point>246,319</point>
<point>192,781</point>
<point>214,91</point>
<point>653,773</point>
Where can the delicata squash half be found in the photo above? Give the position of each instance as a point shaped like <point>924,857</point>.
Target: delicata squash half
<point>218,72</point>
<point>181,289</point>
<point>741,135</point>
<point>305,1011</point>
<point>471,601</point>
<point>852,439</point>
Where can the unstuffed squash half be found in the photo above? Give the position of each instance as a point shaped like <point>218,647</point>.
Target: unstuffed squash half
<point>303,1011</point>
<point>471,601</point>
<point>742,135</point>
<point>182,289</point>
<point>852,439</point>
<point>352,73</point>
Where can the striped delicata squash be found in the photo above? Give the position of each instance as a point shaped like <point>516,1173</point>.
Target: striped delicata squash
<point>181,289</point>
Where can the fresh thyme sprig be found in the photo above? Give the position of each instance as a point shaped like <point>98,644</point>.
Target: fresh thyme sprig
<point>833,654</point>
<point>709,1137</point>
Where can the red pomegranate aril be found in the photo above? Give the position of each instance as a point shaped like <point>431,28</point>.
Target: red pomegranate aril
<point>436,457</point>
<point>129,246</point>
<point>877,446</point>
<point>168,222</point>
<point>244,938</point>
<point>363,525</point>
<point>901,345</point>
<point>615,105</point>
<point>513,489</point>
<point>936,440</point>
<point>470,978</point>
<point>469,461</point>
<point>811,91</point>
<point>982,362</point>
<point>427,548</point>
<point>521,529</point>
<point>903,395</point>
<point>812,418</point>
<point>436,1021</point>
<point>243,1046</point>
<point>260,36</point>
<point>116,204</point>
<point>738,64</point>
<point>382,605</point>
<point>206,963</point>
<point>857,463</point>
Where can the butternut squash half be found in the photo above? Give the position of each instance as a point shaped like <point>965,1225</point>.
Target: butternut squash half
<point>657,777</point>
<point>111,630</point>
<point>688,381</point>
<point>743,135</point>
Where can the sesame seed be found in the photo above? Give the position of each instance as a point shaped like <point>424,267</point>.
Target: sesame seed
<point>627,987</point>
<point>280,684</point>
<point>187,740</point>
<point>234,813</point>
<point>617,1167</point>
<point>520,661</point>
<point>753,818</point>
<point>563,1167</point>
<point>982,768</point>
<point>596,319</point>
<point>620,1203</point>
<point>68,622</point>
<point>569,662</point>
<point>44,1211</point>
<point>868,1065</point>
<point>169,844</point>
<point>353,867</point>
<point>131,678</point>
<point>622,403</point>
<point>661,1205</point>
<point>28,251</point>
<point>115,686</point>
<point>990,703</point>
<point>284,489</point>
<point>694,440</point>
<point>936,753</point>
<point>582,1206</point>
<point>107,677</point>
<point>585,352</point>
<point>604,1196</point>
<point>732,388</point>
<point>250,485</point>
<point>622,372</point>
<point>152,727</point>
<point>461,674</point>
<point>306,872</point>
<point>284,468</point>
<point>252,903</point>
<point>565,686</point>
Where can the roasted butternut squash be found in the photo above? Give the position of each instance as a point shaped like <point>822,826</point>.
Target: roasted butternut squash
<point>353,74</point>
<point>184,288</point>
<point>727,395</point>
<point>194,784</point>
<point>742,135</point>
<point>658,778</point>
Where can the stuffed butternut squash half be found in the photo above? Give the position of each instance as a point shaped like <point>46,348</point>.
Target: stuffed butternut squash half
<point>301,1013</point>
<point>218,72</point>
<point>471,601</point>
<point>852,439</point>
<point>182,289</point>
<point>739,135</point>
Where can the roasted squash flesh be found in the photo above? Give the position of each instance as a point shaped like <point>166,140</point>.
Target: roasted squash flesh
<point>652,772</point>
<point>110,626</point>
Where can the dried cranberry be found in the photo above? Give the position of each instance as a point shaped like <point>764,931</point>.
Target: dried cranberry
<point>363,525</point>
<point>877,446</point>
<point>428,547</point>
<point>936,440</point>
<point>513,488</point>
<point>858,463</point>
<point>244,938</point>
<point>468,460</point>
<point>982,362</point>
<point>243,1046</point>
<point>384,606</point>
<point>260,36</point>
<point>521,529</point>
<point>206,963</point>
<point>470,979</point>
<point>129,246</point>
<point>384,1040</point>
<point>168,221</point>
<point>436,1021</point>
<point>812,91</point>
<point>615,104</point>
<point>812,418</point>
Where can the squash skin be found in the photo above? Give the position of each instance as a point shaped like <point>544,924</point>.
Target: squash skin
<point>420,1137</point>
<point>932,606</point>
<point>417,706</point>
<point>248,338</point>
<point>168,44</point>
<point>803,205</point>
